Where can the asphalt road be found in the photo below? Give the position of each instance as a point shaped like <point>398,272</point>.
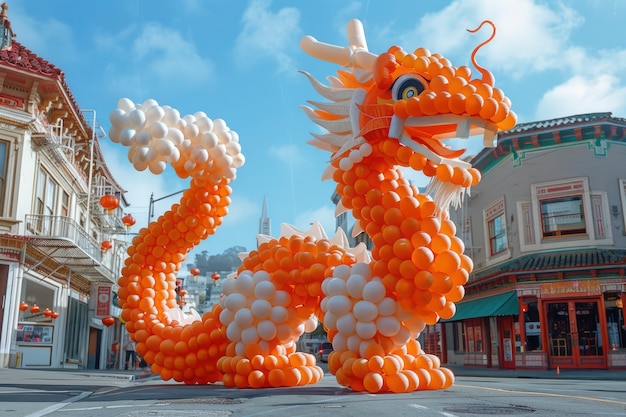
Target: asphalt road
<point>57,394</point>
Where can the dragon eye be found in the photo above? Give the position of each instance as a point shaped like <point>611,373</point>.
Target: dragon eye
<point>407,86</point>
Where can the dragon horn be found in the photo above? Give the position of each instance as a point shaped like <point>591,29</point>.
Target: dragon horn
<point>356,55</point>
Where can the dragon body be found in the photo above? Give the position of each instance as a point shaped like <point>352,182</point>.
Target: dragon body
<point>385,113</point>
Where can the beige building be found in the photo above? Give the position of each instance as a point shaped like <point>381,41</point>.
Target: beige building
<point>61,243</point>
<point>546,228</point>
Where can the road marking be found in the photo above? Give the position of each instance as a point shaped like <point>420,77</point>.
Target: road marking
<point>273,410</point>
<point>60,405</point>
<point>546,394</point>
<point>421,407</point>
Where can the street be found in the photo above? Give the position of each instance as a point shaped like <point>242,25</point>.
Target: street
<point>56,394</point>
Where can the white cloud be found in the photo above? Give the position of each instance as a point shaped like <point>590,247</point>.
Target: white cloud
<point>530,37</point>
<point>288,154</point>
<point>267,35</point>
<point>583,94</point>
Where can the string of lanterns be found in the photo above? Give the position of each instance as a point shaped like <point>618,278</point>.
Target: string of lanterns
<point>35,309</point>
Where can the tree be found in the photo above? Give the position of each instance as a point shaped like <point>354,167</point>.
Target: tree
<point>228,261</point>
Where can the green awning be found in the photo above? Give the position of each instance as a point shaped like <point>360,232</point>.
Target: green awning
<point>497,305</point>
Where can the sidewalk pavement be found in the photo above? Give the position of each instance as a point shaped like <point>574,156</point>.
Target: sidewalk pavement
<point>459,371</point>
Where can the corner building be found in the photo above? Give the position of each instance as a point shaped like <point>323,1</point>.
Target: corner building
<point>546,229</point>
<point>61,249</point>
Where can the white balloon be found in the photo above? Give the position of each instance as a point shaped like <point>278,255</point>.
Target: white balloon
<point>249,335</point>
<point>266,330</point>
<point>261,276</point>
<point>353,343</point>
<point>261,308</point>
<point>330,321</point>
<point>336,286</point>
<point>208,140</point>
<point>365,329</point>
<point>387,306</point>
<point>127,136</point>
<point>157,167</point>
<point>204,123</point>
<point>137,119</point>
<point>345,164</point>
<point>339,305</point>
<point>154,114</point>
<point>175,135</point>
<point>143,138</point>
<point>118,118</point>
<point>402,337</point>
<point>228,286</point>
<point>244,284</point>
<point>235,301</point>
<point>226,316</point>
<point>114,134</point>
<point>158,129</point>
<point>362,269</point>
<point>340,342</point>
<point>388,326</point>
<point>279,314</point>
<point>281,298</point>
<point>126,104</point>
<point>283,333</point>
<point>164,147</point>
<point>233,332</point>
<point>354,286</point>
<point>264,290</point>
<point>171,116</point>
<point>149,103</point>
<point>310,324</point>
<point>244,318</point>
<point>199,154</point>
<point>342,271</point>
<point>240,348</point>
<point>374,291</point>
<point>365,311</point>
<point>346,324</point>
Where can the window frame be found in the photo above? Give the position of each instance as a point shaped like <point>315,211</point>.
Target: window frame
<point>492,212</point>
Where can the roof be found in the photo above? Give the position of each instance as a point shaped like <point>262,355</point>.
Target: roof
<point>20,56</point>
<point>543,262</point>
<point>505,304</point>
<point>560,123</point>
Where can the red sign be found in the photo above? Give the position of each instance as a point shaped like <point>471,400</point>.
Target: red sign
<point>103,304</point>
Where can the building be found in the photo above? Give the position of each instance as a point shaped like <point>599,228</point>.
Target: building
<point>62,233</point>
<point>546,229</point>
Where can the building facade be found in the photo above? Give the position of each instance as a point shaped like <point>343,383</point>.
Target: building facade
<point>62,237</point>
<point>546,229</point>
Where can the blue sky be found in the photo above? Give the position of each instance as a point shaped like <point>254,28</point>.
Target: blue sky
<point>239,61</point>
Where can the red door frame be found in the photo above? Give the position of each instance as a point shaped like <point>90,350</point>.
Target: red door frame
<point>506,352</point>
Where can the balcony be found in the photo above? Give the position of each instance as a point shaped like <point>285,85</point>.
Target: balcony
<point>66,243</point>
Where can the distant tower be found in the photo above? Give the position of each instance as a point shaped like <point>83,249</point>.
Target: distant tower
<point>264,222</point>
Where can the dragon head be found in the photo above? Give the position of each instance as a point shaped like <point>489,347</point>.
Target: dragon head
<point>419,99</point>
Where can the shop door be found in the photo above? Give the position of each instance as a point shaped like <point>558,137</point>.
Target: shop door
<point>575,336</point>
<point>507,342</point>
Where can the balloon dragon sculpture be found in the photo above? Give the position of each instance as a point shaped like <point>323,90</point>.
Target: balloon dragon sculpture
<point>385,112</point>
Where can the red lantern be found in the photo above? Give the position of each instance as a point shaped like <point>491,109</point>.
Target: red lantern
<point>194,271</point>
<point>106,245</point>
<point>54,315</point>
<point>109,202</point>
<point>23,306</point>
<point>34,309</point>
<point>215,276</point>
<point>108,321</point>
<point>47,312</point>
<point>128,221</point>
<point>182,293</point>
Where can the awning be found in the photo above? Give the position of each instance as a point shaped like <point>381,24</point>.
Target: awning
<point>497,305</point>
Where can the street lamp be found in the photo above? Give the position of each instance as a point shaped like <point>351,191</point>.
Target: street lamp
<point>154,200</point>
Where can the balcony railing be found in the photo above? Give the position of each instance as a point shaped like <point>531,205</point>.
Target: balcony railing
<point>60,227</point>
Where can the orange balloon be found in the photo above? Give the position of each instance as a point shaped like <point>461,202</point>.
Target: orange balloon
<point>373,382</point>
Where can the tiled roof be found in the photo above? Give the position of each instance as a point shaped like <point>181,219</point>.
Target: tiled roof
<point>560,122</point>
<point>560,261</point>
<point>20,56</point>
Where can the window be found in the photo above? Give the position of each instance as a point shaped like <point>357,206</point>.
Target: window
<point>474,334</point>
<point>563,216</point>
<point>497,234</point>
<point>46,193</point>
<point>496,231</point>
<point>65,204</point>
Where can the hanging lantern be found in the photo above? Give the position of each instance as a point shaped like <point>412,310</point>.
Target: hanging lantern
<point>215,276</point>
<point>34,309</point>
<point>182,293</point>
<point>47,312</point>
<point>194,271</point>
<point>128,221</point>
<point>108,321</point>
<point>54,315</point>
<point>24,306</point>
<point>109,203</point>
<point>106,245</point>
